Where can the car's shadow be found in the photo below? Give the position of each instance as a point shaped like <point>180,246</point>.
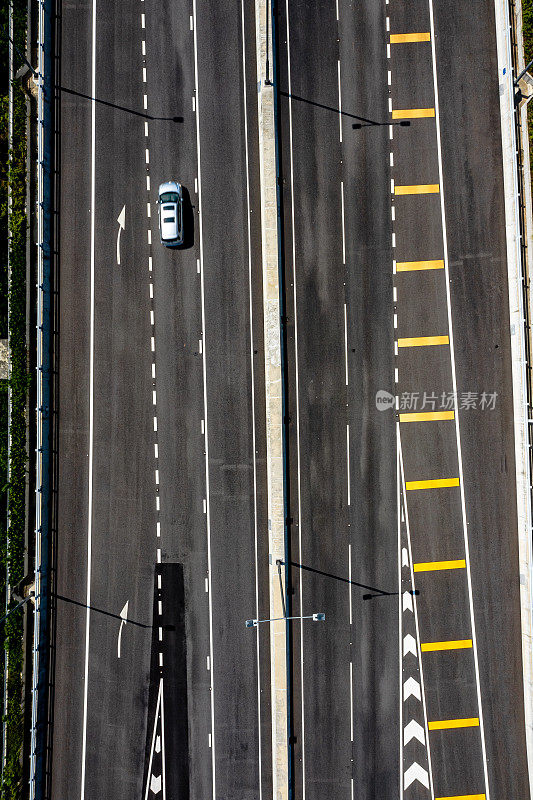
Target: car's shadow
<point>188,220</point>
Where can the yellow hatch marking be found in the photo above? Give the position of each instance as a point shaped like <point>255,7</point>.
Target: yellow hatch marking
<point>433,566</point>
<point>418,188</point>
<point>459,644</point>
<point>448,724</point>
<point>401,38</point>
<point>426,416</point>
<point>410,266</point>
<point>423,341</point>
<point>413,113</point>
<point>438,483</point>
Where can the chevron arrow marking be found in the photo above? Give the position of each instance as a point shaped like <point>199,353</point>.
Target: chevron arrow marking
<point>409,645</point>
<point>411,687</point>
<point>413,730</point>
<point>415,773</point>
<point>407,601</point>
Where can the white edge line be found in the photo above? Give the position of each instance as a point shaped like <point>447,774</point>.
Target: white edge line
<point>91,408</point>
<point>454,388</point>
<point>204,370</point>
<point>297,390</point>
<point>400,610</point>
<point>252,375</point>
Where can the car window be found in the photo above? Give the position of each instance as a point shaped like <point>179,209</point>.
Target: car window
<point>169,219</point>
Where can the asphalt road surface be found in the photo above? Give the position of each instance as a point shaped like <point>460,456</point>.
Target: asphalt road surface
<point>396,282</point>
<point>161,440</point>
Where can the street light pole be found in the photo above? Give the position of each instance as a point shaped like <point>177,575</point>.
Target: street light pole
<point>319,617</point>
<point>268,82</point>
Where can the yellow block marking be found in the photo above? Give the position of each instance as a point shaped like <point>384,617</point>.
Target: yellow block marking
<point>459,644</point>
<point>411,266</point>
<point>434,566</point>
<point>439,483</point>
<point>401,38</point>
<point>423,341</point>
<point>426,416</point>
<point>464,797</point>
<point>448,724</point>
<point>418,188</point>
<point>413,113</point>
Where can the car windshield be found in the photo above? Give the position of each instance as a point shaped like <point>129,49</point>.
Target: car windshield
<point>169,197</point>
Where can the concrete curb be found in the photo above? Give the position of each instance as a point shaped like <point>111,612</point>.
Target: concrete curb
<point>518,346</point>
<point>274,400</point>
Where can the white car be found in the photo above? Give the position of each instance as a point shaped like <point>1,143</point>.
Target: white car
<point>170,200</point>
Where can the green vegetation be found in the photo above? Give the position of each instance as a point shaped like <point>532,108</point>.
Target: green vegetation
<point>13,172</point>
<point>527,32</point>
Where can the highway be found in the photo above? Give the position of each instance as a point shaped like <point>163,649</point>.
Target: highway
<point>161,465</point>
<point>400,474</point>
<point>396,281</point>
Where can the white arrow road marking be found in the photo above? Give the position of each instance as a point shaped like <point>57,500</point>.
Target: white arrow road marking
<point>155,784</point>
<point>411,687</point>
<point>409,645</point>
<point>407,601</point>
<point>405,557</point>
<point>121,226</point>
<point>413,730</point>
<point>123,620</point>
<point>415,773</point>
<point>156,742</point>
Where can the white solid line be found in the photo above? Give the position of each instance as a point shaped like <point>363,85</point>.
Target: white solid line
<point>147,183</point>
<point>340,99</point>
<point>454,388</point>
<point>154,397</point>
<point>343,234</point>
<point>158,529</point>
<point>144,47</point>
<point>143,21</point>
<point>400,632</point>
<point>351,701</point>
<point>155,424</point>
<point>157,477</point>
<point>348,460</point>
<point>204,370</point>
<point>350,579</point>
<point>148,210</point>
<point>145,101</point>
<point>159,555</point>
<point>144,74</point>
<point>152,316</point>
<point>252,397</point>
<point>91,405</point>
<point>160,634</point>
<point>297,395</point>
<point>150,260</point>
<point>156,450</point>
<point>415,605</point>
<point>346,343</point>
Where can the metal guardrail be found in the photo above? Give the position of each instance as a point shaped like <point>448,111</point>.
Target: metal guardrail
<point>40,682</point>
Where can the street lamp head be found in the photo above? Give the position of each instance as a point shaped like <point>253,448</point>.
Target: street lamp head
<point>320,617</point>
<point>251,623</point>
